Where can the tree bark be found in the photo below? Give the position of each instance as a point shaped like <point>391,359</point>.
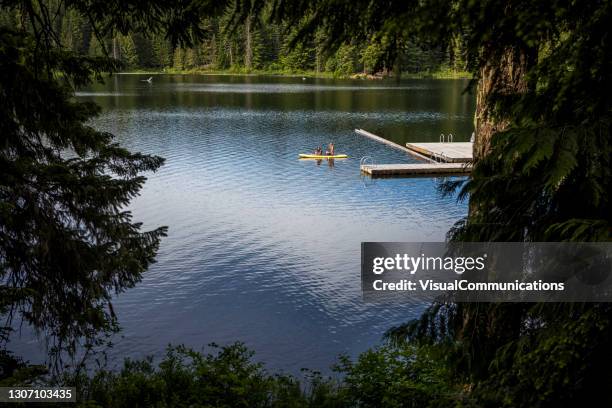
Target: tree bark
<point>503,76</point>
<point>248,53</point>
<point>397,68</point>
<point>213,51</point>
<point>115,48</point>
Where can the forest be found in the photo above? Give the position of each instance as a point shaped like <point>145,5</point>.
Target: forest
<point>257,45</point>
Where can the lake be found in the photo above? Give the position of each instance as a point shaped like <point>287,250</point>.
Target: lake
<point>262,247</point>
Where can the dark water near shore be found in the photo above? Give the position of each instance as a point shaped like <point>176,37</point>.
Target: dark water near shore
<point>262,247</point>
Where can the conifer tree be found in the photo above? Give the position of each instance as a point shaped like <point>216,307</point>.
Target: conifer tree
<point>192,58</point>
<point>128,54</point>
<point>68,243</point>
<point>162,51</point>
<point>178,58</point>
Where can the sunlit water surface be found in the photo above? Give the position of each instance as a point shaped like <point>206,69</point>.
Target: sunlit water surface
<point>262,247</point>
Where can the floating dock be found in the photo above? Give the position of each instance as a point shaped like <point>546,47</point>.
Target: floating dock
<point>453,152</point>
<point>442,159</point>
<point>416,169</point>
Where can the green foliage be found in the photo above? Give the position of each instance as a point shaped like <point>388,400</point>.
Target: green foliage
<point>344,62</point>
<point>224,377</point>
<point>370,57</point>
<point>67,244</point>
<point>15,372</point>
<point>161,52</point>
<point>96,47</point>
<point>554,366</point>
<point>178,59</point>
<point>297,59</point>
<point>128,54</point>
<point>388,376</point>
<point>260,45</point>
<point>398,376</point>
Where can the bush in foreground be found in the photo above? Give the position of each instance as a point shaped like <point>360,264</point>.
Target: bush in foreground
<point>228,377</point>
<point>224,377</point>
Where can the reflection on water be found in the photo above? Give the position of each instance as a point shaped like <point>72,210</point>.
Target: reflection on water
<point>263,247</point>
<point>283,88</point>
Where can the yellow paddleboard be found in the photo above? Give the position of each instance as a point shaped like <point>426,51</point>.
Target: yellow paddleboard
<point>317,156</point>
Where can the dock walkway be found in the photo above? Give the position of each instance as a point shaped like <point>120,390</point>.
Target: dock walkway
<point>416,169</point>
<point>451,158</point>
<point>394,145</point>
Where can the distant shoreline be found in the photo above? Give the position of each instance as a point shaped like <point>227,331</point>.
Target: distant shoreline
<point>447,74</point>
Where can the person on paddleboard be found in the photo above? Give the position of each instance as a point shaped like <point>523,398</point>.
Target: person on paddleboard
<point>330,147</point>
<point>318,151</point>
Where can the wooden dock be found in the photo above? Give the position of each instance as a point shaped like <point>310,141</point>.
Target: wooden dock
<point>416,169</point>
<point>443,159</point>
<point>454,152</point>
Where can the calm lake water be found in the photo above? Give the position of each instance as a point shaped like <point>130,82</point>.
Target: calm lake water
<point>262,247</point>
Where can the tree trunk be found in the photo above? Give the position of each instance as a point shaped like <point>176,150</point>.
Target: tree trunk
<point>115,48</point>
<point>213,51</point>
<point>397,68</point>
<point>503,76</point>
<point>248,45</point>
